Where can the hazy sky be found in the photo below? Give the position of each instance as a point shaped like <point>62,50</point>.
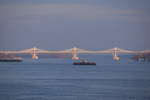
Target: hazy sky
<point>62,24</point>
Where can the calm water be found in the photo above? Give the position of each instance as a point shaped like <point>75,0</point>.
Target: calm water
<point>58,79</point>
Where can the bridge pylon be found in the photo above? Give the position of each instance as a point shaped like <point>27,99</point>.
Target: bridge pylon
<point>74,54</point>
<point>34,54</point>
<point>115,56</point>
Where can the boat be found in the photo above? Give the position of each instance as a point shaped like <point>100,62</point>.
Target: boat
<point>84,62</point>
<point>10,58</point>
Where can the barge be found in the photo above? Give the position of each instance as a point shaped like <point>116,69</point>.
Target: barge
<point>10,58</point>
<point>84,62</point>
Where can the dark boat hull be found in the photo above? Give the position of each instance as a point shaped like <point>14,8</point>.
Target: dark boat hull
<point>84,63</point>
<point>10,60</point>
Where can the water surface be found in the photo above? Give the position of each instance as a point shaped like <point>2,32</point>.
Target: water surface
<point>58,79</point>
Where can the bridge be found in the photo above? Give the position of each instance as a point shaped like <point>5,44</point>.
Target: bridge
<point>75,52</point>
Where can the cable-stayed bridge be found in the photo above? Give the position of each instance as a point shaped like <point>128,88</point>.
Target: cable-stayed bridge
<point>75,52</point>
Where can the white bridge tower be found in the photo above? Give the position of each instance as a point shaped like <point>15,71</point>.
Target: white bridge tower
<point>34,54</point>
<point>74,54</point>
<point>115,56</point>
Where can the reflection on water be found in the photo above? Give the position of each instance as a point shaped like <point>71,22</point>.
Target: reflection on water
<point>58,79</point>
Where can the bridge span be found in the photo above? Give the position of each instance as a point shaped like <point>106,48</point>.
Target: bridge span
<point>75,52</point>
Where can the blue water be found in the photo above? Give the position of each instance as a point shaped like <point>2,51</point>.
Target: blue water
<point>58,79</point>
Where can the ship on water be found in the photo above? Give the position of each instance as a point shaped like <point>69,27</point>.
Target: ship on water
<point>9,58</point>
<point>84,62</point>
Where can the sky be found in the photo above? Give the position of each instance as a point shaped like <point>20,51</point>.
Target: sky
<point>63,24</point>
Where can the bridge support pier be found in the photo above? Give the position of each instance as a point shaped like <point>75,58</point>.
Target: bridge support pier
<point>74,54</point>
<point>74,57</point>
<point>115,56</point>
<point>34,55</point>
